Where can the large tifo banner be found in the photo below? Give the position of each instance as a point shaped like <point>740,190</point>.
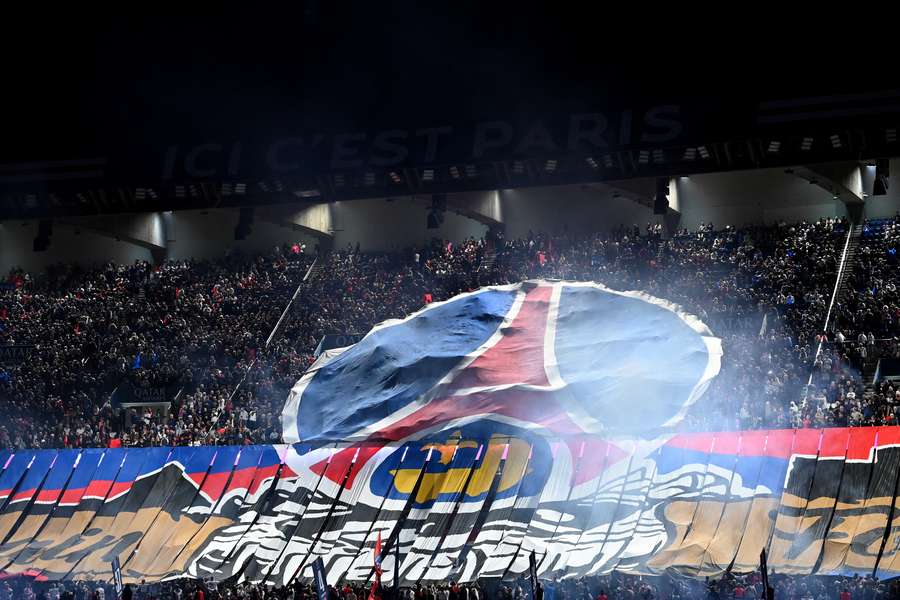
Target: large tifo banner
<point>533,419</point>
<point>820,501</point>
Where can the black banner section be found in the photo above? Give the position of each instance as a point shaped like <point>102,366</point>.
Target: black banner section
<point>319,575</point>
<point>15,354</point>
<point>117,577</point>
<point>128,395</point>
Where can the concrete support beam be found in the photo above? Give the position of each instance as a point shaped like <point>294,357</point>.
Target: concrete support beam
<point>144,229</point>
<point>147,230</point>
<point>316,219</point>
<point>842,179</point>
<point>643,191</point>
<point>484,207</point>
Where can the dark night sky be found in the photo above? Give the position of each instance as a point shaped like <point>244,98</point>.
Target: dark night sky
<point>81,85</point>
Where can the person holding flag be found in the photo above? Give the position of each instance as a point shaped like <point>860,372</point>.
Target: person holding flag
<point>375,590</point>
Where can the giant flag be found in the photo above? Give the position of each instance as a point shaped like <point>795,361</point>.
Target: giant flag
<point>560,358</point>
<point>530,420</point>
<point>697,503</point>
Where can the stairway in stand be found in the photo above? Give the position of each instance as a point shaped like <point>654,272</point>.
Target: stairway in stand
<point>844,288</point>
<point>850,262</point>
<point>490,257</point>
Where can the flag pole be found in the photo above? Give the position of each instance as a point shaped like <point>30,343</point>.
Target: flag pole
<point>397,568</point>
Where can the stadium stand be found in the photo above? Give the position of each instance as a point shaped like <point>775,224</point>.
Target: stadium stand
<point>764,290</point>
<point>175,326</point>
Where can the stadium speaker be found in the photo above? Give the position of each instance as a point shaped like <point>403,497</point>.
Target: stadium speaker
<point>434,219</point>
<point>882,174</point>
<point>42,240</point>
<point>435,216</point>
<point>661,199</point>
<point>245,223</point>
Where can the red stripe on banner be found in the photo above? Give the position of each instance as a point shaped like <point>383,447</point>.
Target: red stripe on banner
<point>197,478</point>
<point>72,496</point>
<point>214,484</point>
<point>539,407</point>
<point>119,488</point>
<point>47,496</point>
<point>341,460</point>
<point>24,495</point>
<point>698,442</point>
<point>862,439</point>
<point>806,441</point>
<point>264,473</point>
<point>518,357</point>
<point>888,436</point>
<point>753,443</point>
<point>98,488</point>
<point>727,443</point>
<point>242,479</point>
<point>597,449</point>
<point>779,443</point>
<point>834,442</point>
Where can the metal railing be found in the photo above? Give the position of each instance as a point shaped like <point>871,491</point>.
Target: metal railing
<point>269,340</point>
<point>837,285</point>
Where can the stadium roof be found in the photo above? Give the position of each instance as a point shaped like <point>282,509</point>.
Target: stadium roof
<point>129,114</point>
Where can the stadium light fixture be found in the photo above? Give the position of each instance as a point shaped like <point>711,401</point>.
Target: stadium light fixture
<point>240,189</point>
<point>774,146</point>
<point>471,171</point>
<point>658,156</point>
<point>339,180</point>
<point>140,194</point>
<point>704,152</point>
<point>835,141</point>
<point>661,198</point>
<point>226,189</point>
<point>244,226</point>
<point>395,177</point>
<point>428,175</point>
<point>644,157</point>
<point>45,231</point>
<point>890,135</point>
<point>179,191</point>
<point>307,193</point>
<point>882,177</point>
<point>518,167</point>
<point>369,178</point>
<point>550,165</point>
<point>608,161</point>
<point>592,162</point>
<point>454,172</point>
<point>806,144</point>
<point>690,154</point>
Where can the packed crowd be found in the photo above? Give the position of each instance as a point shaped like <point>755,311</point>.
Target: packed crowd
<point>611,587</point>
<point>866,328</point>
<point>198,329</point>
<point>187,327</point>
